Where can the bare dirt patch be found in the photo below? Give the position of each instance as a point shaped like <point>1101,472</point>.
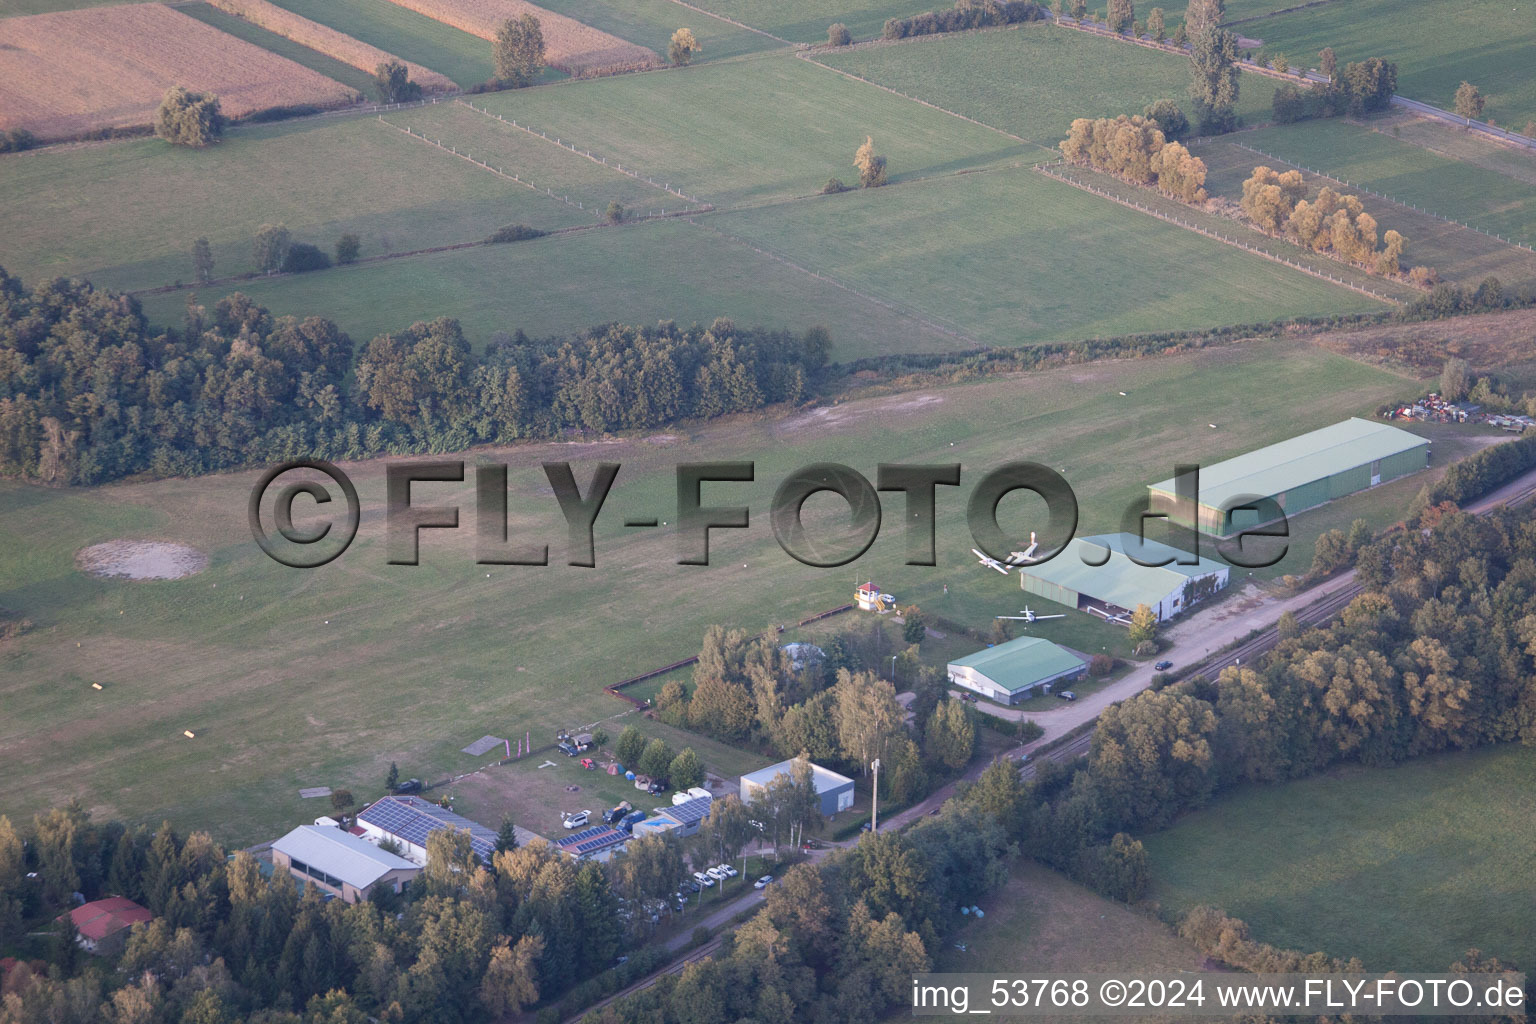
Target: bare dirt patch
<point>65,74</point>
<point>141,560</point>
<point>1487,341</point>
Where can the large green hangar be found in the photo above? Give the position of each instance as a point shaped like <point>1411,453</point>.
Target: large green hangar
<point>1301,473</point>
<point>1096,575</point>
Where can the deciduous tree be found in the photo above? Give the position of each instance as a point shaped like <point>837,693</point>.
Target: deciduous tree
<point>1469,102</point>
<point>518,53</point>
<point>870,164</point>
<point>187,118</point>
<point>683,46</point>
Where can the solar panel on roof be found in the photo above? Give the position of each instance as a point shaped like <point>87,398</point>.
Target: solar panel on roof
<point>689,811</point>
<point>413,820</point>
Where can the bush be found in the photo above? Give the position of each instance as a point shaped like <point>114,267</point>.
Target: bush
<point>189,118</point>
<point>514,233</point>
<point>966,14</point>
<point>347,248</point>
<point>1289,105</point>
<point>1170,119</point>
<point>838,34</point>
<point>833,187</point>
<point>16,140</point>
<point>281,113</point>
<point>615,212</point>
<point>392,82</point>
<point>1100,665</point>
<point>303,257</point>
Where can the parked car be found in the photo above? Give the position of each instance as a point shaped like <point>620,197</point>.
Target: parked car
<point>568,749</point>
<point>578,819</point>
<point>689,885</point>
<point>703,879</point>
<point>864,827</point>
<point>763,883</point>
<point>730,872</point>
<point>811,844</point>
<point>1067,695</point>
<point>656,787</point>
<point>716,874</point>
<point>757,825</point>
<point>627,824</point>
<point>409,786</point>
<point>1163,666</point>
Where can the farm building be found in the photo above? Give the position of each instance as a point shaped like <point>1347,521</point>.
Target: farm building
<point>1016,670</point>
<point>597,843</point>
<point>1300,473</point>
<point>340,862</point>
<point>1094,574</point>
<point>102,926</point>
<point>836,791</point>
<point>408,820</point>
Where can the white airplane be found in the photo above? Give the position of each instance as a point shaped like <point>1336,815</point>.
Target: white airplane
<point>1018,558</point>
<point>990,562</point>
<point>1029,616</point>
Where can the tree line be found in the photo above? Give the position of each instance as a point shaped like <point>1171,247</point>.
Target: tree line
<point>1275,202</point>
<point>89,392</point>
<point>966,14</point>
<point>1436,654</point>
<point>834,710</point>
<point>1135,149</point>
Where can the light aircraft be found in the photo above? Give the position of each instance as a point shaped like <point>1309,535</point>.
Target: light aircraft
<point>1029,616</point>
<point>990,562</point>
<point>1018,558</point>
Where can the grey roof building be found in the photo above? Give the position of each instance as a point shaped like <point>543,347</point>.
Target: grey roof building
<point>339,862</point>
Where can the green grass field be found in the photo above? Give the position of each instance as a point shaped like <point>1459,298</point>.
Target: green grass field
<point>12,8</point>
<point>1033,80</point>
<point>806,21</point>
<point>126,215</point>
<point>293,678</point>
<point>1012,257</point>
<point>650,23</point>
<point>1486,199</point>
<point>1456,252</point>
<point>332,68</point>
<point>1405,867</point>
<point>462,57</point>
<point>712,132</point>
<point>1436,47</point>
<point>640,273</point>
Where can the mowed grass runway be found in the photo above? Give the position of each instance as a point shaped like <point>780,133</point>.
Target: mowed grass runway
<point>294,678</point>
<point>1406,867</point>
<point>1033,80</point>
<point>1436,46</point>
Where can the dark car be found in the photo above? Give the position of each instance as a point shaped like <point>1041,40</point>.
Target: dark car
<point>1163,666</point>
<point>568,749</point>
<point>628,823</point>
<point>1067,695</point>
<point>409,786</point>
<point>690,885</point>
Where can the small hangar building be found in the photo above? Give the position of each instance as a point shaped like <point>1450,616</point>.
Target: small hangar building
<point>340,862</point>
<point>1016,670</point>
<point>1094,574</point>
<point>835,791</point>
<point>1300,473</point>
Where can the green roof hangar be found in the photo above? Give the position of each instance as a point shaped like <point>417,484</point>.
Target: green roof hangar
<point>1013,671</point>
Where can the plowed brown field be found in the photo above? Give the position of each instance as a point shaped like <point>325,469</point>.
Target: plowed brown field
<point>569,45</point>
<point>67,74</point>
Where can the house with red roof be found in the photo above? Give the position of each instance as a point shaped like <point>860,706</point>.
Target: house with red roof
<point>102,926</point>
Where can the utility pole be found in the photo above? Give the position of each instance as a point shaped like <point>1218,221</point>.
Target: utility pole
<point>874,805</point>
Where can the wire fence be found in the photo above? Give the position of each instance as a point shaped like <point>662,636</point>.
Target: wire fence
<point>1381,195</point>
<point>601,160</point>
<point>1053,170</point>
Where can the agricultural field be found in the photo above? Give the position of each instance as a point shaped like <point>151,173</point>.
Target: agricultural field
<point>1436,46</point>
<point>1033,80</point>
<point>706,130</point>
<point>650,23</point>
<point>1405,867</point>
<point>18,8</point>
<point>569,283</point>
<point>315,60</point>
<point>66,74</point>
<point>569,45</point>
<point>1011,257</point>
<point>1457,253</point>
<point>1055,926</point>
<point>1500,202</point>
<point>455,53</point>
<point>290,678</point>
<point>327,40</point>
<point>126,215</point>
<point>806,21</point>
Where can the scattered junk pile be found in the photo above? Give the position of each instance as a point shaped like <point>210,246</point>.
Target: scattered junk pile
<point>1433,408</point>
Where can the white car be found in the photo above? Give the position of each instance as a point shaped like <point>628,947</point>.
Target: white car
<point>730,872</point>
<point>705,880</point>
<point>578,819</point>
<point>716,874</point>
<point>763,883</point>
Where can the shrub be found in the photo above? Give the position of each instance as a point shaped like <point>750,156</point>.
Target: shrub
<point>833,187</point>
<point>303,257</point>
<point>514,233</point>
<point>392,83</point>
<point>615,212</point>
<point>347,248</point>
<point>1100,665</point>
<point>683,46</point>
<point>838,34</point>
<point>871,165</point>
<point>189,118</point>
<point>1289,105</point>
<point>966,14</point>
<point>1170,119</point>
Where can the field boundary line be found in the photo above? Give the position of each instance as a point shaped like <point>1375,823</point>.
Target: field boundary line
<point>1386,198</point>
<point>915,99</point>
<point>738,24</point>
<point>601,161</point>
<point>910,314</point>
<point>1049,172</point>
